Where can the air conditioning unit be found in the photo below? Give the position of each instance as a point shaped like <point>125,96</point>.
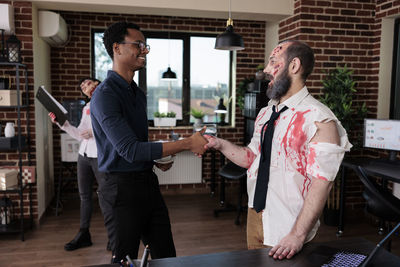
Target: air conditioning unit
<point>52,28</point>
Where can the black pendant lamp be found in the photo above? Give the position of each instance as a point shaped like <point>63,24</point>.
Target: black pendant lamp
<point>229,40</point>
<point>168,75</point>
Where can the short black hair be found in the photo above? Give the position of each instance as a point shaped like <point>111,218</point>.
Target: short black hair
<point>116,33</point>
<point>304,53</point>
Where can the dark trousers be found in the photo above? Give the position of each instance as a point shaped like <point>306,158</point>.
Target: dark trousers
<point>134,210</point>
<point>87,173</point>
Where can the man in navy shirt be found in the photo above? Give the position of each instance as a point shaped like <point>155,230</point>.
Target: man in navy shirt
<point>131,201</point>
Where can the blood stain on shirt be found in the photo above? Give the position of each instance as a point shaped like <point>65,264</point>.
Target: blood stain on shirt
<point>321,177</point>
<point>294,145</point>
<point>260,116</point>
<point>311,157</point>
<point>249,157</point>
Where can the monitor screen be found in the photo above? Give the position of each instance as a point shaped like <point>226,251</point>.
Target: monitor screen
<point>382,134</point>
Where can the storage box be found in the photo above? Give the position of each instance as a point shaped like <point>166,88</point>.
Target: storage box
<point>9,97</point>
<point>8,178</point>
<point>28,173</point>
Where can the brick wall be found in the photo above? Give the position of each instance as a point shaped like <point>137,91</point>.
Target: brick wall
<point>72,62</point>
<point>23,31</point>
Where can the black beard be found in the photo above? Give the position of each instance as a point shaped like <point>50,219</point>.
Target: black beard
<point>280,86</point>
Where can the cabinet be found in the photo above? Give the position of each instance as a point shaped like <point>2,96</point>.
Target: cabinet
<point>254,100</point>
<point>19,143</point>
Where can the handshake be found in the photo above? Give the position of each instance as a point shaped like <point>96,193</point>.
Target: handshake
<point>200,143</point>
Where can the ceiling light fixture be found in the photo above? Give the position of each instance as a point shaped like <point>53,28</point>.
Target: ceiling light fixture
<point>168,75</point>
<point>229,40</point>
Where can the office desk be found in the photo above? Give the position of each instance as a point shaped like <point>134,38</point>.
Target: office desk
<point>313,254</point>
<point>379,167</point>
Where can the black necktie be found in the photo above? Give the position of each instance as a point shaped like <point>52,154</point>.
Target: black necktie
<point>263,169</point>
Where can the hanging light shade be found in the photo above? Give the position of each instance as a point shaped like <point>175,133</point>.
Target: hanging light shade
<point>229,40</point>
<point>169,74</point>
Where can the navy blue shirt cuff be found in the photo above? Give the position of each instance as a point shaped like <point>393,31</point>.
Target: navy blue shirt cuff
<point>156,150</point>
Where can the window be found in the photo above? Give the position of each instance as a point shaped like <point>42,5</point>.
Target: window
<point>209,72</point>
<point>203,73</point>
<point>162,95</point>
<point>102,61</point>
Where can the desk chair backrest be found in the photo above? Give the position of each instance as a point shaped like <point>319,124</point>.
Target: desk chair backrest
<point>380,201</point>
<point>232,171</point>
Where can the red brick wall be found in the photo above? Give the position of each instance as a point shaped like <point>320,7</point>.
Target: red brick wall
<point>72,62</point>
<point>23,31</point>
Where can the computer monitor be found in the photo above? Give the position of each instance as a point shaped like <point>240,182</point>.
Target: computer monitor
<point>383,134</point>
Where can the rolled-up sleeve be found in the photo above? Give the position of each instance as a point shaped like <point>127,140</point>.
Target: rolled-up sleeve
<point>324,159</point>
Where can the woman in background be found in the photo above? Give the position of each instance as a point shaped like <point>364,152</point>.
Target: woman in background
<point>87,165</point>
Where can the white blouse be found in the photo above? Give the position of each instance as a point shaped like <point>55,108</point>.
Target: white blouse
<point>87,146</point>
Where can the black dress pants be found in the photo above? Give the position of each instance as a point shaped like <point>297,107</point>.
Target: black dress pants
<point>134,210</point>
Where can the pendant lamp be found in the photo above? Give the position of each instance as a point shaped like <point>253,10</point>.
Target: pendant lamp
<point>229,40</point>
<point>168,75</point>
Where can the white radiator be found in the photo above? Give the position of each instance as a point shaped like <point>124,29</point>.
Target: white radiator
<point>185,170</point>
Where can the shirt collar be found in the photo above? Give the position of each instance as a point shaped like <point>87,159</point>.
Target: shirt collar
<point>121,81</point>
<point>292,101</point>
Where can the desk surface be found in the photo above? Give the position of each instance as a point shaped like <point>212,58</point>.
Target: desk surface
<point>380,167</point>
<point>313,254</point>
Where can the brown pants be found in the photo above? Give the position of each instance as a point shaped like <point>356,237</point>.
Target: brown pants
<point>255,233</point>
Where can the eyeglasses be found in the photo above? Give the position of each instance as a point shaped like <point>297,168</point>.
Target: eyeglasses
<point>141,45</point>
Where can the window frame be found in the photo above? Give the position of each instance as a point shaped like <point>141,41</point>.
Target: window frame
<point>394,113</point>
<point>185,37</point>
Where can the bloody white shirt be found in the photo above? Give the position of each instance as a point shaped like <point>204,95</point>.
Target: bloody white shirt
<point>295,161</point>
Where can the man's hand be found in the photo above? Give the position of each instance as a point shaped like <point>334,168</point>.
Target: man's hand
<point>198,142</point>
<point>87,134</point>
<point>164,167</point>
<point>287,247</point>
<point>213,142</point>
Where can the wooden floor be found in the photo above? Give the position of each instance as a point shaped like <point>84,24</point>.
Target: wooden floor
<point>195,230</point>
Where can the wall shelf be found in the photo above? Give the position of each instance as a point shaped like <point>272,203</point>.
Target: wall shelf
<point>18,143</point>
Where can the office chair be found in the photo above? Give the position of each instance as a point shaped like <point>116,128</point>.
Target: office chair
<point>232,171</point>
<point>380,201</point>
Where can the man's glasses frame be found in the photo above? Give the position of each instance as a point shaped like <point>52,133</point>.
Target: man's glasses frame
<point>141,45</point>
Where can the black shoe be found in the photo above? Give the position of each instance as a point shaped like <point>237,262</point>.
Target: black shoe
<point>82,239</point>
<point>108,245</point>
